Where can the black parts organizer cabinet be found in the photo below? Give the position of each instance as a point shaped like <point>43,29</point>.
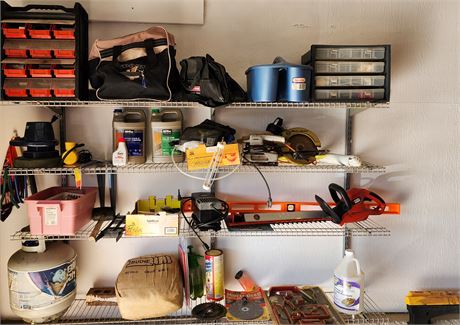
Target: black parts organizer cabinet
<point>44,52</point>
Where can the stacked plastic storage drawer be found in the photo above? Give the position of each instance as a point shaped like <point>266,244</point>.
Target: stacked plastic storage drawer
<point>350,73</point>
<point>44,52</point>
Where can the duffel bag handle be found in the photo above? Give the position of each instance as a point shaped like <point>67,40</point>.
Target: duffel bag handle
<point>149,44</point>
<point>198,75</point>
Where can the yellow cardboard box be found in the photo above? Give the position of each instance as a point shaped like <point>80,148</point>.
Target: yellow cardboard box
<point>201,157</point>
<point>155,224</point>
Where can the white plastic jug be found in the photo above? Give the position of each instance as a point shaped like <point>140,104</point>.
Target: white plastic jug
<point>349,285</point>
<point>166,128</point>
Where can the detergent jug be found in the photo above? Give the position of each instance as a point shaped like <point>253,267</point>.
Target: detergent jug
<point>130,125</point>
<point>349,285</point>
<point>166,128</point>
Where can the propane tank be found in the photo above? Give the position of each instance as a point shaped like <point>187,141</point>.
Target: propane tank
<point>42,280</point>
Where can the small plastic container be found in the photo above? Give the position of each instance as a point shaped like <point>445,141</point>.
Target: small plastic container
<point>60,210</point>
<point>11,30</point>
<point>349,67</point>
<point>16,87</point>
<point>14,70</point>
<point>356,94</point>
<point>63,32</point>
<point>63,87</point>
<point>39,31</point>
<point>40,54</point>
<point>349,81</point>
<point>64,71</point>
<point>64,54</point>
<point>262,82</point>
<point>350,53</point>
<point>16,53</point>
<point>40,70</point>
<point>39,87</point>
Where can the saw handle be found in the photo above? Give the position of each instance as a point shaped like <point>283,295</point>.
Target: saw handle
<point>344,199</point>
<point>342,203</point>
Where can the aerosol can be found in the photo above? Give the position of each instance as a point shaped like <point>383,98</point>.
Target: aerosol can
<point>349,285</point>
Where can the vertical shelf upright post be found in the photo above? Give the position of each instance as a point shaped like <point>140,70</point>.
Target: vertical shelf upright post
<point>347,177</point>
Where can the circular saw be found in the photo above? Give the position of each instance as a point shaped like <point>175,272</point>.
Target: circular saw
<point>301,146</point>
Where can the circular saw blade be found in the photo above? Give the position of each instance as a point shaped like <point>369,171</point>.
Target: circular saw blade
<point>304,148</point>
<point>209,311</point>
<point>245,310</point>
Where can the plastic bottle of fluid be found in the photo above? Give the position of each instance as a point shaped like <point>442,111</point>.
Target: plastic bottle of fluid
<point>349,285</point>
<point>130,125</point>
<point>166,128</point>
<point>120,156</point>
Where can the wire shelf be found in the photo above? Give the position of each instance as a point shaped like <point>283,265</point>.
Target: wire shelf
<point>300,229</point>
<point>310,229</point>
<point>170,168</point>
<point>147,103</point>
<point>83,234</point>
<point>80,313</point>
<point>372,314</point>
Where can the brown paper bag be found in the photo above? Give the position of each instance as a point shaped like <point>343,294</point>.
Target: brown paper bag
<point>149,286</point>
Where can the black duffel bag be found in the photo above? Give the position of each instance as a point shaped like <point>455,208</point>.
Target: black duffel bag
<point>206,81</point>
<point>136,66</point>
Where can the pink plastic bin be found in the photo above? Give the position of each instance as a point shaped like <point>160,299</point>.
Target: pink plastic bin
<point>60,216</point>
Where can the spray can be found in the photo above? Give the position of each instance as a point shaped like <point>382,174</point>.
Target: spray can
<point>349,285</point>
<point>130,125</point>
<point>214,266</point>
<point>166,127</point>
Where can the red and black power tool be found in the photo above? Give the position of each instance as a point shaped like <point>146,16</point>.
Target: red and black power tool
<point>350,205</point>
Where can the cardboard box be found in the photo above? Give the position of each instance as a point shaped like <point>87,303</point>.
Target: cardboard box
<point>154,224</point>
<point>201,157</point>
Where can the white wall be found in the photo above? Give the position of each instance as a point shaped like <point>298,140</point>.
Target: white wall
<point>416,138</point>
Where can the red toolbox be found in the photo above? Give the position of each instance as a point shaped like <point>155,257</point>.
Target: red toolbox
<point>60,210</point>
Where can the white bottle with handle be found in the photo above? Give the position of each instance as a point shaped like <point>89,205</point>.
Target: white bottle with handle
<point>349,285</point>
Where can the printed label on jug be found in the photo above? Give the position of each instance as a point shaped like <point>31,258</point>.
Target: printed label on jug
<point>33,290</point>
<point>162,139</point>
<point>346,294</point>
<point>134,142</point>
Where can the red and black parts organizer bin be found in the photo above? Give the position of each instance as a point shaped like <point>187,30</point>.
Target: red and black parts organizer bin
<point>41,42</point>
<point>350,73</point>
